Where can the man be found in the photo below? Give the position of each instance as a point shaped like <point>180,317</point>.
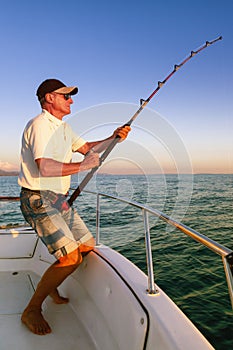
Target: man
<point>46,168</point>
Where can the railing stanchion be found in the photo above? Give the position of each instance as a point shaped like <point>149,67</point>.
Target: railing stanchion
<point>229,277</point>
<point>98,219</point>
<point>150,270</point>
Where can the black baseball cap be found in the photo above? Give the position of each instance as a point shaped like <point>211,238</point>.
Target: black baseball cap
<point>54,85</point>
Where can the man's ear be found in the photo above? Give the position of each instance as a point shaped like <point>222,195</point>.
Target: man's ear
<point>49,98</point>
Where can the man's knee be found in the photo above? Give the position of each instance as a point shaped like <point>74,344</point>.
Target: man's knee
<point>72,259</point>
<point>87,247</point>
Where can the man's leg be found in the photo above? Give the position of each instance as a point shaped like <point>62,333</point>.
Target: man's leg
<point>52,278</point>
<point>46,222</point>
<point>57,298</point>
<point>84,250</point>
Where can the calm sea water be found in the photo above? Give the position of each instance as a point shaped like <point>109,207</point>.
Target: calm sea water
<point>189,273</point>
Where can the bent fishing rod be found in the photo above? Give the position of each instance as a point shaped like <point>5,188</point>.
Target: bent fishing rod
<point>143,104</point>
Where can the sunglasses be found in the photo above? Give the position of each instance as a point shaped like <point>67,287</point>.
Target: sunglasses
<point>67,96</point>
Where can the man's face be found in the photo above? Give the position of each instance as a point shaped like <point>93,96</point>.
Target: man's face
<point>60,104</point>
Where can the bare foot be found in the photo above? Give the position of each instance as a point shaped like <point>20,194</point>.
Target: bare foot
<point>35,322</point>
<point>57,298</point>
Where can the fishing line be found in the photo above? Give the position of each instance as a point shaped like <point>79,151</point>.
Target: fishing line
<point>143,104</point>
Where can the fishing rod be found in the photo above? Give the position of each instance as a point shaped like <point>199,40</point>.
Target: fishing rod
<point>143,104</point>
<point>8,198</point>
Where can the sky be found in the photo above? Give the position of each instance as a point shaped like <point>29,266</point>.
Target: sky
<point>116,52</point>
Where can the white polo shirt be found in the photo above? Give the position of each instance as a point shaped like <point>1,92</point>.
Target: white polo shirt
<point>45,136</point>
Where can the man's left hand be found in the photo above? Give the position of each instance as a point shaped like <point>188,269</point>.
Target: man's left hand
<point>122,132</point>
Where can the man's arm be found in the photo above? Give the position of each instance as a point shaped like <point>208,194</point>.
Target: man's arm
<point>100,146</point>
<point>51,168</point>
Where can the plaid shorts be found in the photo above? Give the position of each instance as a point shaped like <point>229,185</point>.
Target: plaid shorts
<point>62,231</point>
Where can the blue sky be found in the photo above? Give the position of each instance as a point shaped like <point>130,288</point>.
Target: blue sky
<point>116,51</point>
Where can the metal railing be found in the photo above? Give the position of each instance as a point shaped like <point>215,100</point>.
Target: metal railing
<point>224,252</point>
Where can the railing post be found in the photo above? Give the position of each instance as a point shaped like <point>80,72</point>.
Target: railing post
<point>150,270</point>
<point>227,263</point>
<point>98,219</point>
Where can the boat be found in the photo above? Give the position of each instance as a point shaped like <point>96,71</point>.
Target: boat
<point>113,304</point>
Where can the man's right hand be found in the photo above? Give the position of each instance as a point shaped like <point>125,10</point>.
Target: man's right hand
<point>90,161</point>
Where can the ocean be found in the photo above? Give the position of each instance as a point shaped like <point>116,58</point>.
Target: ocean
<point>189,273</point>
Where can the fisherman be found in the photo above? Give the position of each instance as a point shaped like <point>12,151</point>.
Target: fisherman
<point>46,168</point>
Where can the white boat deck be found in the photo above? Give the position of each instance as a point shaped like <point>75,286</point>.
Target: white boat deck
<point>16,290</point>
<point>109,309</point>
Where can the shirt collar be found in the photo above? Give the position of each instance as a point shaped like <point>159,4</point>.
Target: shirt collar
<point>51,117</point>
